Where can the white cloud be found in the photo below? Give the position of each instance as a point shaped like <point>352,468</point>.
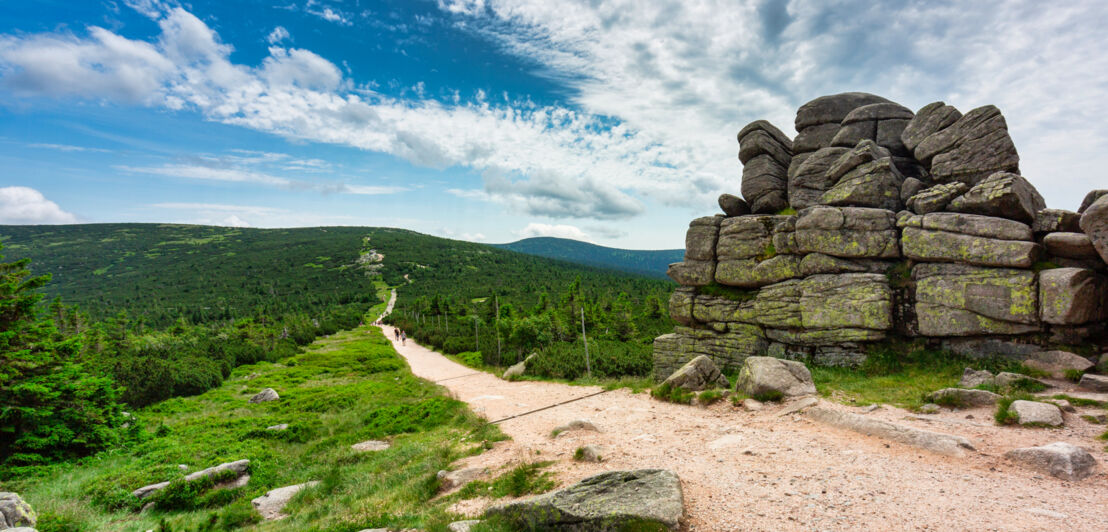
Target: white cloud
<point>277,35</point>
<point>245,210</point>
<point>67,147</point>
<point>330,15</point>
<point>235,221</point>
<point>658,90</point>
<point>208,173</point>
<point>25,205</point>
<point>367,190</point>
<point>559,231</point>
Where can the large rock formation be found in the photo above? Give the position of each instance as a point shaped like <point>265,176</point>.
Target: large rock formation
<point>901,225</point>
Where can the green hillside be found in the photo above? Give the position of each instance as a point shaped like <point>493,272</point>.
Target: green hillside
<point>652,263</point>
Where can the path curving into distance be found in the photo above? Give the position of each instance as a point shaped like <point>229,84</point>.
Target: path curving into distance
<point>757,471</point>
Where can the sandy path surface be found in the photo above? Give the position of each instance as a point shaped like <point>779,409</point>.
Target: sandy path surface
<point>758,471</point>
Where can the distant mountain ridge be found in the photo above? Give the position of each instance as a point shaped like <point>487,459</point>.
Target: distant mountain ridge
<point>652,263</point>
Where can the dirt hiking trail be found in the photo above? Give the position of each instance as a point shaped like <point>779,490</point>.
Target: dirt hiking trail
<point>745,470</point>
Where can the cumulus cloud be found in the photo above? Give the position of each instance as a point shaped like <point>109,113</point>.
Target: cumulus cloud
<point>26,206</point>
<point>277,35</point>
<point>657,91</point>
<point>559,231</point>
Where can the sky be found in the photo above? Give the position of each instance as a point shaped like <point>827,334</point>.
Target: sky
<point>495,120</point>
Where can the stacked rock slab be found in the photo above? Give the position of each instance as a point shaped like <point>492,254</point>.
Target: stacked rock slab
<point>901,225</point>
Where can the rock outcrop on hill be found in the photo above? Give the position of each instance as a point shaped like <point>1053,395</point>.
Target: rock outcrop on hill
<point>875,222</point>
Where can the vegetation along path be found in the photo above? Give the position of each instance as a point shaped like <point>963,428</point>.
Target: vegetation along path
<point>745,470</point>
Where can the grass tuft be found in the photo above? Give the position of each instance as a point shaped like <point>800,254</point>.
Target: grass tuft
<point>672,394</point>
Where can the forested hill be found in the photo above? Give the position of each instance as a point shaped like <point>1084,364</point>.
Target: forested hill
<point>162,272</point>
<point>651,263</point>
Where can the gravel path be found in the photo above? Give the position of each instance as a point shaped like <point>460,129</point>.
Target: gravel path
<point>756,471</point>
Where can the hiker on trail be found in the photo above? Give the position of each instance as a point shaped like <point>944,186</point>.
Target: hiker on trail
<point>396,332</point>
<point>403,338</point>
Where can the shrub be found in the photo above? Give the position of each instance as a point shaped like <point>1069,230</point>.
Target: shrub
<point>768,396</point>
<point>708,397</point>
<point>672,394</point>
<point>1073,375</point>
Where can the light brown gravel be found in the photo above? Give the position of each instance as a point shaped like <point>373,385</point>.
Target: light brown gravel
<point>745,470</point>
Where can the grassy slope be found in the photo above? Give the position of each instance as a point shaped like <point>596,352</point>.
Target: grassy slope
<point>652,263</point>
<point>346,388</point>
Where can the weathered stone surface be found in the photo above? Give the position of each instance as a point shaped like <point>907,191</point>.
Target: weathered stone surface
<point>272,505</point>
<point>1090,199</point>
<point>936,198</point>
<point>937,442</point>
<point>847,307</point>
<point>760,142</point>
<point>1057,362</point>
<point>700,242</point>
<point>766,127</point>
<point>15,512</point>
<point>878,111</point>
<point>1003,195</point>
<point>1056,220</point>
<point>278,427</point>
<point>972,378</point>
<point>264,396</point>
<point>1070,245</point>
<point>752,273</point>
<point>813,138</point>
<point>987,348</point>
<point>825,337</point>
<point>681,304</point>
<point>699,374</point>
<point>1036,413</point>
<point>963,398</point>
<point>727,349</point>
<point>809,181</point>
<point>463,526</point>
<point>1059,459</point>
<point>833,108</point>
<point>1071,296</point>
<point>747,237</point>
<point>765,184</point>
<point>1093,383</point>
<point>940,246</point>
<point>932,118</point>
<point>875,184</point>
<point>575,425</point>
<point>974,147</point>
<point>767,376</point>
<point>733,205</point>
<point>692,272</point>
<point>851,134</point>
<point>450,480</point>
<point>960,300</point>
<point>969,224</point>
<point>848,232</point>
<point>888,137</point>
<point>238,467</point>
<point>817,263</point>
<point>613,500</point>
<point>708,309</point>
<point>1094,222</point>
<point>863,152</point>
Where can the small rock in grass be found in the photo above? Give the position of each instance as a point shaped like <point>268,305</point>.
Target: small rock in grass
<point>1096,383</point>
<point>15,512</point>
<point>752,405</point>
<point>1098,418</point>
<point>449,480</point>
<point>370,445</point>
<point>590,453</point>
<point>961,398</point>
<point>183,467</point>
<point>1061,403</point>
<point>972,378</point>
<point>266,395</point>
<point>462,526</point>
<point>1036,413</point>
<point>272,504</point>
<point>282,426</point>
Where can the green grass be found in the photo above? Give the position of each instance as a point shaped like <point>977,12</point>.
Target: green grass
<point>524,479</point>
<point>708,397</point>
<point>1003,415</point>
<point>346,388</point>
<point>1073,375</point>
<point>672,394</point>
<point>897,373</point>
<point>1078,401</point>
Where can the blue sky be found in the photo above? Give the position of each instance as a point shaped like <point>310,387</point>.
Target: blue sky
<point>492,120</point>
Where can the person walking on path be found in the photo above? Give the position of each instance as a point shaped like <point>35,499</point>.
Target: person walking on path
<point>396,332</point>
<point>403,338</point>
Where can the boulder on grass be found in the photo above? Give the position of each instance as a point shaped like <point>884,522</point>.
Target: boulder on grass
<point>972,378</point>
<point>768,377</point>
<point>1036,414</point>
<point>1007,381</point>
<point>962,398</point>
<point>1057,362</point>
<point>264,396</point>
<point>271,506</point>
<point>1059,459</point>
<point>15,512</point>
<point>616,500</point>
<point>449,480</point>
<point>698,374</point>
<point>238,467</point>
